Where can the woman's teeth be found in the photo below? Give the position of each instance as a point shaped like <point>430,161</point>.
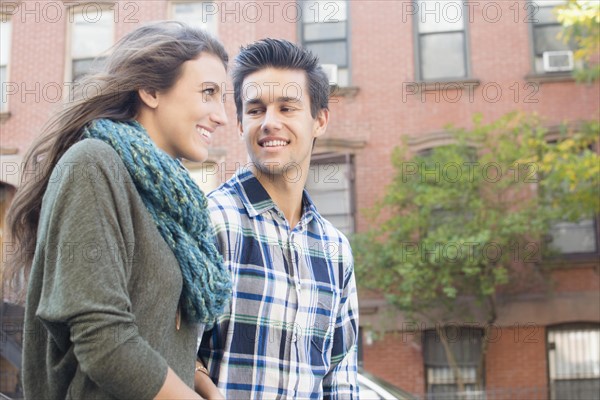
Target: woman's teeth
<point>203,132</point>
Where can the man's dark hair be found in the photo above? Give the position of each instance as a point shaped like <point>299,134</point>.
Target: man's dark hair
<point>279,53</point>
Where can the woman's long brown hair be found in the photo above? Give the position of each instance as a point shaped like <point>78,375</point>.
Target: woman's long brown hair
<point>150,58</point>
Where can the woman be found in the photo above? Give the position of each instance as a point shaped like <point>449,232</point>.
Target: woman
<point>123,269</point>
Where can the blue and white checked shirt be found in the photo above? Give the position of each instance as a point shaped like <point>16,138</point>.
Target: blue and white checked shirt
<point>292,328</point>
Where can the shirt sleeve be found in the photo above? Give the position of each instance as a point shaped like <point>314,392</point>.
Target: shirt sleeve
<point>341,381</point>
<point>84,302</point>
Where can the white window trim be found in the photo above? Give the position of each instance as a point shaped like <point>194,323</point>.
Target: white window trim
<point>212,30</point>
<point>417,47</point>
<point>72,10</point>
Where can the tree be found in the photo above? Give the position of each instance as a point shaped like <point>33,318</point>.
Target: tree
<point>472,219</point>
<point>581,26</point>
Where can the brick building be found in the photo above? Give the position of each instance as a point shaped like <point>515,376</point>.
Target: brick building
<point>404,69</point>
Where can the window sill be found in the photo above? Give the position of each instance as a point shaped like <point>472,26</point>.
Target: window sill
<point>550,77</point>
<point>343,91</point>
<point>449,84</point>
<point>574,260</point>
<point>4,115</point>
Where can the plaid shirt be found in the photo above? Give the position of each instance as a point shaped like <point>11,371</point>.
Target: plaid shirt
<point>292,328</point>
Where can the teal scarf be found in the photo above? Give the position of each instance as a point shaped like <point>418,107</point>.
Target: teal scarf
<point>179,209</point>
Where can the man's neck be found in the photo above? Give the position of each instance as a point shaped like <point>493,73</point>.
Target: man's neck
<point>287,195</point>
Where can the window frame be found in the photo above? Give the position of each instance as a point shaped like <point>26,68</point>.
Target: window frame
<point>72,11</point>
<point>340,158</point>
<point>577,256</point>
<point>567,326</point>
<point>466,46</point>
<point>300,32</point>
<point>532,43</point>
<point>213,28</point>
<point>428,366</point>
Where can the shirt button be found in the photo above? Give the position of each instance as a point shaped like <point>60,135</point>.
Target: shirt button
<point>294,338</point>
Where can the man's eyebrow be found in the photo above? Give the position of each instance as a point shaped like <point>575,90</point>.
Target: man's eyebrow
<point>287,99</point>
<point>252,102</point>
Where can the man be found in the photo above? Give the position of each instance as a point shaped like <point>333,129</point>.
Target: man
<point>292,328</point>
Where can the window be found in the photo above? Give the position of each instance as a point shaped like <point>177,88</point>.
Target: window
<point>545,29</point>
<point>574,361</point>
<point>5,30</point>
<point>433,162</point>
<point>324,31</point>
<point>92,33</point>
<point>465,344</point>
<point>441,40</point>
<point>199,14</point>
<point>330,186</point>
<point>574,237</point>
<point>571,238</point>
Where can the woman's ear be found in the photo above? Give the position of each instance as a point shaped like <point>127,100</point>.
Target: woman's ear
<point>149,97</point>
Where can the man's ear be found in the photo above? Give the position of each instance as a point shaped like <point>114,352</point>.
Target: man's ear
<point>149,97</point>
<point>240,128</point>
<point>321,122</point>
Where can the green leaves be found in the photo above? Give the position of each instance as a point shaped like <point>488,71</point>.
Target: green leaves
<point>462,220</point>
<point>581,26</point>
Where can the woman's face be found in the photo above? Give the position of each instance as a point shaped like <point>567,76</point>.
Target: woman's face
<point>183,119</point>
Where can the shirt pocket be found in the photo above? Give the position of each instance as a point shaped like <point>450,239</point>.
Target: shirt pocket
<point>323,329</point>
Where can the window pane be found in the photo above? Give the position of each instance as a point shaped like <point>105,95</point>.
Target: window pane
<point>574,362</point>
<point>330,188</point>
<point>576,389</point>
<point>86,66</point>
<point>544,15</point>
<point>545,39</point>
<point>574,237</point>
<point>330,52</point>
<point>324,11</point>
<point>440,16</point>
<point>328,176</point>
<point>442,56</point>
<point>91,36</point>
<point>198,14</point>
<point>4,42</point>
<point>325,31</point>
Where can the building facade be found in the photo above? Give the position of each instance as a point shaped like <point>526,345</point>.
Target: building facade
<point>402,69</point>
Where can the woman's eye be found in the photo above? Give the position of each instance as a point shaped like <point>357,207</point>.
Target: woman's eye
<point>209,91</point>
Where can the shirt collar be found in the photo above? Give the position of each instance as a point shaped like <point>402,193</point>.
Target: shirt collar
<point>257,201</point>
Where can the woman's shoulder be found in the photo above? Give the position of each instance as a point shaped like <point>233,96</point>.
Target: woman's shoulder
<point>90,150</point>
<point>89,162</point>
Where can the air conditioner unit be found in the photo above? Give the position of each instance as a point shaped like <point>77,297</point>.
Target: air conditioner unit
<point>331,70</point>
<point>558,61</point>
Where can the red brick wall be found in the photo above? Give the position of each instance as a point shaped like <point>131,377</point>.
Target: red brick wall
<point>517,359</point>
<point>398,359</point>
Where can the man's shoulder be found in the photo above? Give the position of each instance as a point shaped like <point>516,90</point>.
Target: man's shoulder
<point>338,243</point>
<point>224,202</point>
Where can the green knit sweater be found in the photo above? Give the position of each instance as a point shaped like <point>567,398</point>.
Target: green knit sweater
<point>100,317</point>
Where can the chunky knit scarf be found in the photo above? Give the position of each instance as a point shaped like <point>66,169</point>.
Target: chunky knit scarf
<point>179,209</point>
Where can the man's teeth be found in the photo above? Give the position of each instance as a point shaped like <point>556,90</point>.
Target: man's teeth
<point>275,143</point>
<point>203,132</point>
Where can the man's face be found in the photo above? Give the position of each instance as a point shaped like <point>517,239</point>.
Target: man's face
<point>276,122</point>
